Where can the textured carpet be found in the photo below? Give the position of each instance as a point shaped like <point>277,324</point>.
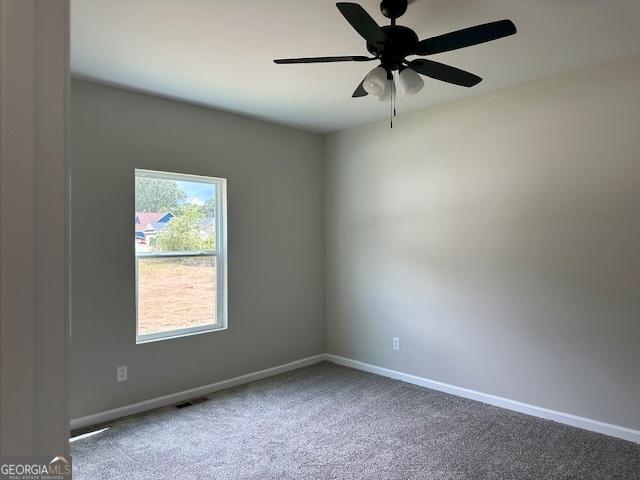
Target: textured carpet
<point>331,422</point>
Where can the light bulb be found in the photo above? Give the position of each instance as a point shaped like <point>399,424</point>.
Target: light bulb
<point>390,87</point>
<point>410,82</point>
<point>376,81</point>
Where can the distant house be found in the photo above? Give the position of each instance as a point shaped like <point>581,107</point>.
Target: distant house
<point>150,224</point>
<point>207,227</point>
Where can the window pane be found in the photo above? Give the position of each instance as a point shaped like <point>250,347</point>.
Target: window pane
<point>174,215</point>
<point>175,293</point>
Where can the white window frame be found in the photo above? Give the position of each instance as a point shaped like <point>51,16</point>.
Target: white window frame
<point>220,254</point>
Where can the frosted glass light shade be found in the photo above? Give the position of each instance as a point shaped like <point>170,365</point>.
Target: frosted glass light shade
<point>375,82</point>
<point>390,87</point>
<point>410,82</point>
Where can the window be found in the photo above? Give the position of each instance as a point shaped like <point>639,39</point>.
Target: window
<point>181,257</point>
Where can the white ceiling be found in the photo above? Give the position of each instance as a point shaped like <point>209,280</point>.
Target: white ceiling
<point>219,53</point>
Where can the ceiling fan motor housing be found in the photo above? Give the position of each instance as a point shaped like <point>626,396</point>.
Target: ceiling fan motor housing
<point>402,42</point>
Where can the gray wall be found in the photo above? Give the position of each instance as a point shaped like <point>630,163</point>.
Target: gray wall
<point>499,237</point>
<point>276,253</point>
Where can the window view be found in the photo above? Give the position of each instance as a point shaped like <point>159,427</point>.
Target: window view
<point>180,254</point>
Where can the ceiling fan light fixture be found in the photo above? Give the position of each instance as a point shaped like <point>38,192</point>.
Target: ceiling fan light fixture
<point>410,82</point>
<point>375,83</point>
<point>389,90</point>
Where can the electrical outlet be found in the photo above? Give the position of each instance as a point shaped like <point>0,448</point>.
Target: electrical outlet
<point>122,373</point>
<point>396,344</point>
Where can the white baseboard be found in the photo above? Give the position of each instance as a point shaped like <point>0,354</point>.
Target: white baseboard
<point>560,417</point>
<point>178,397</point>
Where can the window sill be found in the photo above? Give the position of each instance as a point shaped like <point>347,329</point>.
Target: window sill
<point>178,334</point>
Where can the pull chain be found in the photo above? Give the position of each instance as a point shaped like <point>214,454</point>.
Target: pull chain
<point>392,100</point>
<point>391,104</point>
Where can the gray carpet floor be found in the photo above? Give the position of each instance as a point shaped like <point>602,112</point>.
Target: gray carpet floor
<point>331,422</point>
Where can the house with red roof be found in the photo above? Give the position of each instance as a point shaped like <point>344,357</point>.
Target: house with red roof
<point>150,224</point>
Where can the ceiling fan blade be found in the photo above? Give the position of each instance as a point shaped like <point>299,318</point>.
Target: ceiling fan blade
<point>362,22</point>
<point>281,61</point>
<point>360,91</point>
<point>466,37</point>
<point>445,73</point>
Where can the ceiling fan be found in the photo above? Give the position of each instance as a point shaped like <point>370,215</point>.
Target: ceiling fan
<point>391,44</point>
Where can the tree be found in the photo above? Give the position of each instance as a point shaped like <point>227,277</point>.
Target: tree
<point>209,208</point>
<point>158,195</point>
<point>183,233</point>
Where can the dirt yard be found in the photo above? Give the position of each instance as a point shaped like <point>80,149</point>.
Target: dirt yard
<point>175,293</point>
